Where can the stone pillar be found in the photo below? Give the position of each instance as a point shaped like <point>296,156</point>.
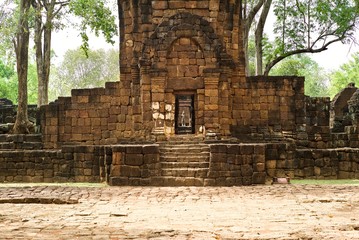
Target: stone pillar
<point>158,104</point>
<point>211,103</point>
<point>146,107</point>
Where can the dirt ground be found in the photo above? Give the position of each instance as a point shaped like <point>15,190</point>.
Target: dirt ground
<point>255,212</point>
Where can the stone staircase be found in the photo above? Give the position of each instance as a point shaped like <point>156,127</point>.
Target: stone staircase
<point>21,141</point>
<point>184,162</point>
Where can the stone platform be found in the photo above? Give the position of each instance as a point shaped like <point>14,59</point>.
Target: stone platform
<point>253,212</point>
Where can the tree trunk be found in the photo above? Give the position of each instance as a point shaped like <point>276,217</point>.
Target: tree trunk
<point>43,34</point>
<point>38,50</point>
<point>21,44</point>
<point>248,21</point>
<point>259,37</point>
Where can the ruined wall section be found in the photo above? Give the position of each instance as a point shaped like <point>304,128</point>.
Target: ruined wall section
<point>317,133</point>
<point>268,108</point>
<point>92,117</point>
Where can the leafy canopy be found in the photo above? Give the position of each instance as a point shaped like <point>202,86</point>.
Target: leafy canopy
<point>347,73</point>
<point>95,16</point>
<point>316,79</point>
<point>310,26</point>
<point>78,71</point>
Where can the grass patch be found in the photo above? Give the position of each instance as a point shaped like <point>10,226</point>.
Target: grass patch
<point>77,184</point>
<point>326,182</point>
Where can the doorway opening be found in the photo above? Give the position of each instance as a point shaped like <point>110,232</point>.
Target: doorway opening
<point>184,114</point>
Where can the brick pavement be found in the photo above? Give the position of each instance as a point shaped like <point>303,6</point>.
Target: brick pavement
<point>254,212</point>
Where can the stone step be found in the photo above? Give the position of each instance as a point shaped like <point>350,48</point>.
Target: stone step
<point>23,145</point>
<point>185,150</point>
<point>177,181</point>
<point>184,139</point>
<point>184,159</point>
<point>180,146</point>
<point>20,138</point>
<point>184,142</point>
<point>21,141</point>
<point>184,154</point>
<point>185,172</point>
<point>185,164</point>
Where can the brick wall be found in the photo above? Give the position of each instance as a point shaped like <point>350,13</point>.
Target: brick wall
<point>341,163</point>
<point>133,165</point>
<point>70,164</point>
<point>236,164</point>
<point>267,108</point>
<point>34,166</point>
<point>93,117</point>
<point>229,164</point>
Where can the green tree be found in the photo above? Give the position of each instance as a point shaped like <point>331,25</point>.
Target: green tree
<point>21,46</point>
<point>302,26</point>
<point>316,79</point>
<point>9,82</point>
<point>93,14</point>
<point>347,73</point>
<point>78,71</point>
<point>310,26</point>
<point>8,88</point>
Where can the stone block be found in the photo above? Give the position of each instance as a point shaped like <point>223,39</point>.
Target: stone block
<point>176,4</point>
<point>231,158</point>
<point>259,159</point>
<point>115,170</point>
<point>271,164</point>
<point>130,171</point>
<point>233,149</point>
<point>239,160</point>
<point>159,5</point>
<point>259,178</point>
<point>308,171</point>
<point>343,175</point>
<point>134,149</point>
<point>150,158</point>
<point>259,167</point>
<point>246,170</point>
<point>247,159</point>
<point>48,173</point>
<point>345,166</point>
<point>247,181</point>
<point>218,157</point>
<point>118,181</point>
<point>218,148</point>
<point>150,149</point>
<point>272,154</point>
<point>209,182</point>
<point>88,172</point>
<point>132,159</point>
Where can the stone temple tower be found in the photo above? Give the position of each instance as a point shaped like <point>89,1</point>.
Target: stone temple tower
<point>180,64</point>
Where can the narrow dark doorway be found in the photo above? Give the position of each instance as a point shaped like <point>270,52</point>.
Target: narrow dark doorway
<point>184,119</point>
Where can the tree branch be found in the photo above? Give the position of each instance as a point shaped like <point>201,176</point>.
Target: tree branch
<point>253,13</point>
<point>270,65</point>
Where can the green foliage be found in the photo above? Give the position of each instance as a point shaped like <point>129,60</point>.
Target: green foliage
<point>95,16</point>
<point>251,56</point>
<point>6,71</point>
<point>8,87</point>
<point>32,84</point>
<point>347,73</point>
<point>8,24</point>
<point>312,24</point>
<point>316,80</point>
<point>78,71</point>
<point>9,83</point>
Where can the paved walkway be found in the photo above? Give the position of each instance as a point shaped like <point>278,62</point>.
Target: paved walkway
<point>255,212</point>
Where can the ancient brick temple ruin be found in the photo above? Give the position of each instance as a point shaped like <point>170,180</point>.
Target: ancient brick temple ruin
<point>184,113</point>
